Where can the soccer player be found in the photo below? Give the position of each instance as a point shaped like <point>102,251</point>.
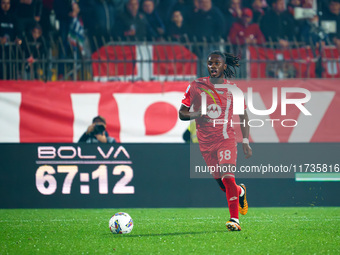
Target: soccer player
<point>215,133</point>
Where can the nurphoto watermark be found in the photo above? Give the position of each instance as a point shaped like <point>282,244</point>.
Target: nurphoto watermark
<point>214,110</point>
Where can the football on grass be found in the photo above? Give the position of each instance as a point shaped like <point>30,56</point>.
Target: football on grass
<point>121,223</point>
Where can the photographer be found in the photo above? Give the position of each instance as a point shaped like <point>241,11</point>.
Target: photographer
<point>96,132</point>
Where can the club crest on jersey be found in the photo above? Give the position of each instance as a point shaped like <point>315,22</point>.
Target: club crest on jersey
<point>214,111</point>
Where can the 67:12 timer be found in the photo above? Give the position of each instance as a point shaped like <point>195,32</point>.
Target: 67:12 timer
<point>47,184</point>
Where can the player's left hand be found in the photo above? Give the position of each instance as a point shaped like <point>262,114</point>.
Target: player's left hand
<point>247,150</point>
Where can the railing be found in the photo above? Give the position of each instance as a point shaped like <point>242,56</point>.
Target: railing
<point>49,59</point>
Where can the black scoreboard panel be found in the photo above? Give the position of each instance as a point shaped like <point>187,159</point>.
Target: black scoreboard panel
<point>151,175</point>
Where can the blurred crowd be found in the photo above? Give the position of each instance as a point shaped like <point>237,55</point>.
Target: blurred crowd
<point>33,23</point>
<point>240,21</point>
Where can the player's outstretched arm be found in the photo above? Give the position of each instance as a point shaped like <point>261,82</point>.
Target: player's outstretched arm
<point>245,133</point>
<point>185,114</point>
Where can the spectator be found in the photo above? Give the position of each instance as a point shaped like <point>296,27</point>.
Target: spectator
<point>66,11</point>
<point>331,21</point>
<point>28,13</point>
<point>96,132</point>
<point>248,3</point>
<point>257,7</point>
<point>311,33</point>
<point>235,8</point>
<point>208,22</point>
<point>281,70</point>
<point>156,28</point>
<point>292,4</point>
<point>297,23</point>
<point>276,25</point>
<point>230,12</point>
<point>163,8</point>
<point>103,12</point>
<point>220,4</point>
<point>8,23</point>
<point>45,22</point>
<point>323,6</point>
<point>246,32</point>
<point>187,7</point>
<point>131,23</point>
<point>308,28</point>
<point>35,49</point>
<point>306,3</point>
<point>177,28</point>
<point>8,34</point>
<point>35,37</point>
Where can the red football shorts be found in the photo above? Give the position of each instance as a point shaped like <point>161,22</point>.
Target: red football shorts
<point>225,153</point>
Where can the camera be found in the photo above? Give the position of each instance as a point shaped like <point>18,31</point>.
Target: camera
<point>98,129</point>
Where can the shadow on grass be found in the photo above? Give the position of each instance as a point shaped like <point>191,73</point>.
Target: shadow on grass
<point>169,234</point>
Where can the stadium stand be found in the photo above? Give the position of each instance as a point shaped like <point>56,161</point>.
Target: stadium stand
<point>122,47</point>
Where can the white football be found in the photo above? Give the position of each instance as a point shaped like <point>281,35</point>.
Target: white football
<point>121,223</point>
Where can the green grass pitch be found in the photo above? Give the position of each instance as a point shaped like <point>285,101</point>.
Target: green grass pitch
<point>171,231</point>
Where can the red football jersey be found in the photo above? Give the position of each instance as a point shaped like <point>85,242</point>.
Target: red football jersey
<point>215,127</point>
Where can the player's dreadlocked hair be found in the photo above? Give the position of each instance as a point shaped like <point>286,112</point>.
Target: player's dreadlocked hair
<point>230,60</point>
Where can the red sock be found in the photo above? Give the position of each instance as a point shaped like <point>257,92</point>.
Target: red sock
<point>220,183</point>
<point>232,192</point>
<point>239,190</point>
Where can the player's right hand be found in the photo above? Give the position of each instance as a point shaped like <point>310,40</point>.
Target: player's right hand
<point>248,152</point>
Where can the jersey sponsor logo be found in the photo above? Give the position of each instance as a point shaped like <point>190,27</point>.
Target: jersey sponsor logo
<point>214,111</point>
